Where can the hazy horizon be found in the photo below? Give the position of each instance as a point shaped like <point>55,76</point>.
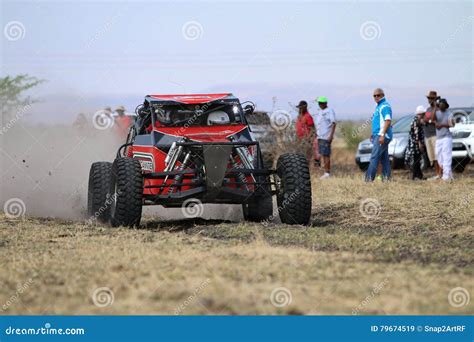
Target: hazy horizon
<point>108,53</point>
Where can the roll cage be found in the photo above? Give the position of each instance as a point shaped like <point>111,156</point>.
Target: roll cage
<point>171,113</point>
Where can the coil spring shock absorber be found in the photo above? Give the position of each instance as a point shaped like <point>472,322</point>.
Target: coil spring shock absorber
<point>240,175</point>
<point>178,178</point>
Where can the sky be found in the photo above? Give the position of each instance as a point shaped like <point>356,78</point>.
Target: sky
<point>97,53</point>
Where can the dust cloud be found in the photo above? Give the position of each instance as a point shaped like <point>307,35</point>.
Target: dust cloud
<point>46,168</point>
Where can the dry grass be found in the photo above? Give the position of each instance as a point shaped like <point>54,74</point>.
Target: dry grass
<point>413,252</point>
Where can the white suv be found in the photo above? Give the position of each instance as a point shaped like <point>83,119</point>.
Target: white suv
<point>463,138</point>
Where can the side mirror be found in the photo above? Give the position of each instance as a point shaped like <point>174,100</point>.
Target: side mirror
<point>460,117</point>
<point>249,109</point>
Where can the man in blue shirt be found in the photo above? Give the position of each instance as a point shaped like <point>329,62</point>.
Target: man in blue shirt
<point>381,136</point>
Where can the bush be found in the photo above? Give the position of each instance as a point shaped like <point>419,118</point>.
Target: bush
<point>353,133</point>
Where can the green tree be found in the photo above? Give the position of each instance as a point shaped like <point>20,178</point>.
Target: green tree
<point>12,95</point>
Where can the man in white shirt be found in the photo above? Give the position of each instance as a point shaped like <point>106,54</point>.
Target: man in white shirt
<point>325,121</point>
<point>443,120</point>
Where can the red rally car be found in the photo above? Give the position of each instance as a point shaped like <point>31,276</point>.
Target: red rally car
<point>196,148</point>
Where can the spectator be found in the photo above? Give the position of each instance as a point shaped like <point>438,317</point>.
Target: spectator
<point>381,136</point>
<point>80,122</point>
<point>429,130</point>
<point>444,139</point>
<point>122,121</point>
<point>416,144</point>
<point>325,127</point>
<point>305,130</point>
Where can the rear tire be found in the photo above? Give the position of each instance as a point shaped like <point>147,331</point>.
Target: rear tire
<point>363,166</point>
<point>126,192</point>
<point>99,185</point>
<point>294,189</point>
<point>258,208</point>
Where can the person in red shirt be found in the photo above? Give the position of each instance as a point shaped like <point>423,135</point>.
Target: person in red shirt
<point>122,122</point>
<point>304,121</point>
<point>305,132</point>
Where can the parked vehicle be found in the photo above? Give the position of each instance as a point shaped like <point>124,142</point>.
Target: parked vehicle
<point>463,138</point>
<point>462,141</point>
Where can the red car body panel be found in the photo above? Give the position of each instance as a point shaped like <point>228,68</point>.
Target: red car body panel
<point>196,133</point>
<point>202,133</point>
<point>214,133</point>
<point>191,98</point>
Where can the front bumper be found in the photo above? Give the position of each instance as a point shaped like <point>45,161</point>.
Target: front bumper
<point>461,150</point>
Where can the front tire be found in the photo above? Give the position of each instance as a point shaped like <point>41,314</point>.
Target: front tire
<point>99,185</point>
<point>126,193</point>
<point>459,165</point>
<point>363,166</point>
<point>294,189</point>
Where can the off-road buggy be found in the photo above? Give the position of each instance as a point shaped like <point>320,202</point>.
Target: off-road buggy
<point>192,149</point>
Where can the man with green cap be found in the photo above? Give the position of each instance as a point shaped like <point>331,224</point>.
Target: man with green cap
<point>325,121</point>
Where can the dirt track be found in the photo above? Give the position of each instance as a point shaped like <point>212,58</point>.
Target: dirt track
<point>403,258</point>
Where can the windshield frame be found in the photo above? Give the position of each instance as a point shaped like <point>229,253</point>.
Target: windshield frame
<point>195,114</point>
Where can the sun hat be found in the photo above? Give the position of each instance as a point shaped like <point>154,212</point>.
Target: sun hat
<point>420,109</point>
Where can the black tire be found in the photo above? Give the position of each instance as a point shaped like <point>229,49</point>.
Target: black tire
<point>99,185</point>
<point>459,165</point>
<point>259,208</point>
<point>126,193</point>
<point>294,189</point>
<point>363,166</point>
